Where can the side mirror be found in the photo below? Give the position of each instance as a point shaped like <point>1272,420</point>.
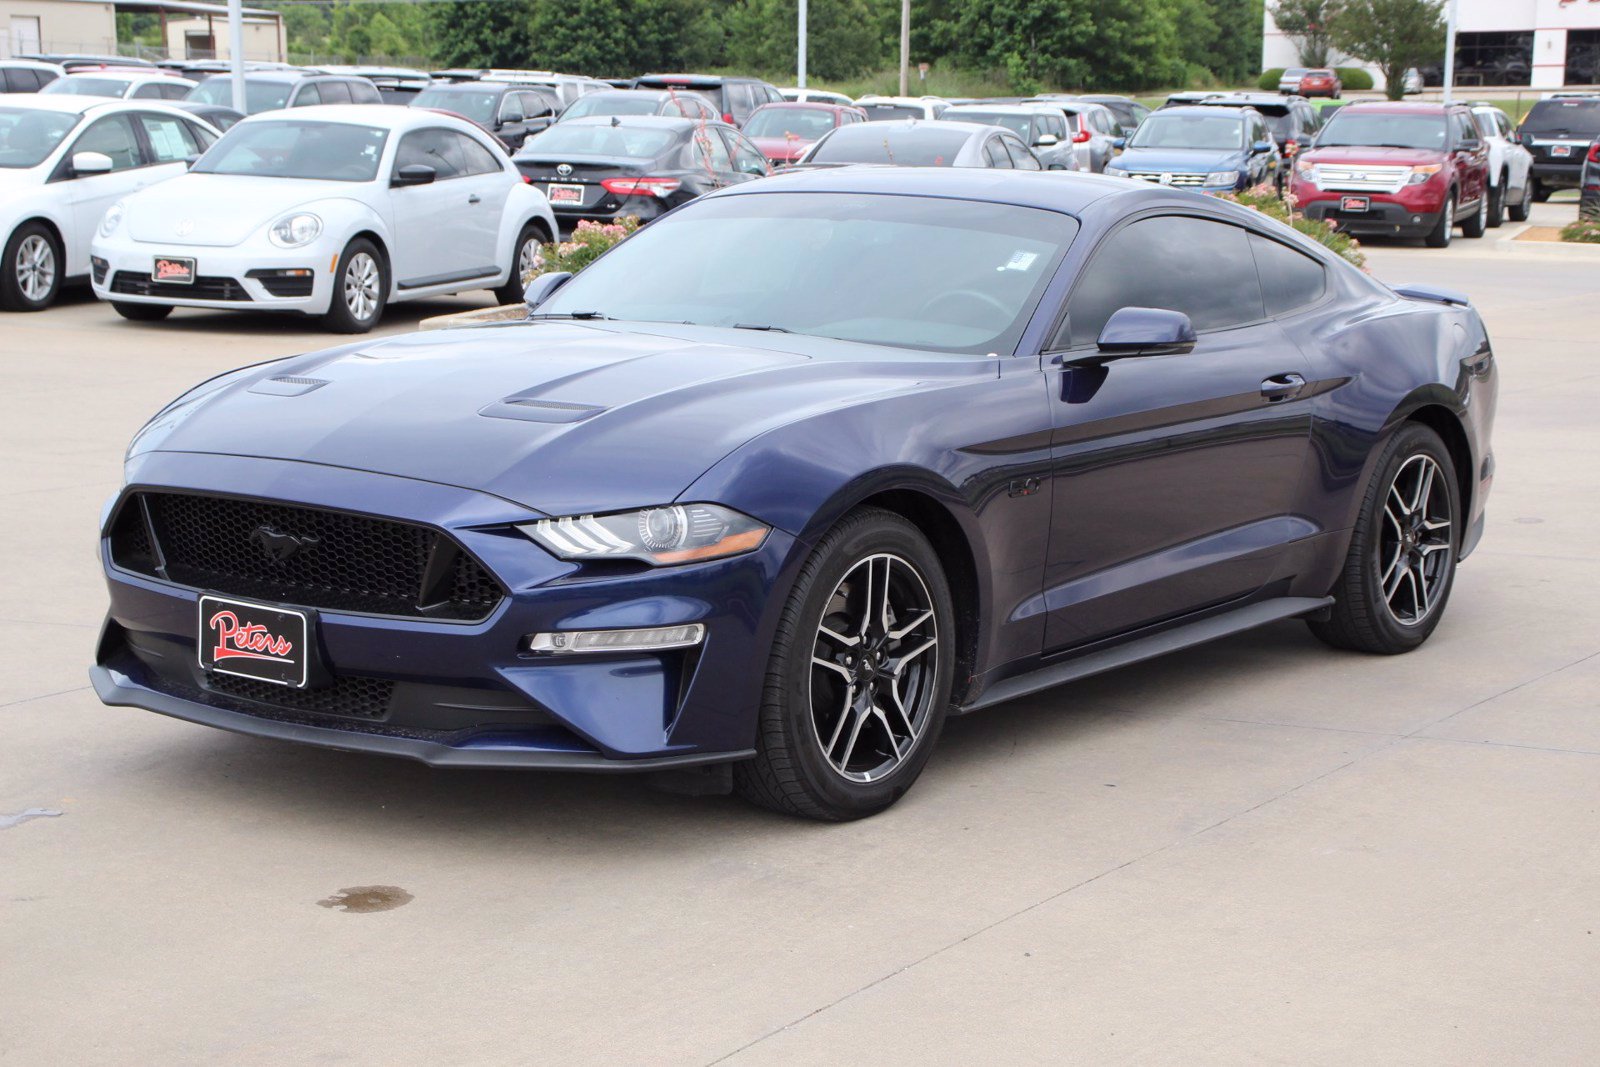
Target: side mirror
<point>1119,143</point>
<point>414,174</point>
<point>1047,140</point>
<point>514,116</point>
<point>190,161</point>
<point>85,164</point>
<point>1260,147</point>
<point>1136,331</point>
<point>543,287</point>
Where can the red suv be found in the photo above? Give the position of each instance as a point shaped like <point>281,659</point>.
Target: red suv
<point>1406,170</point>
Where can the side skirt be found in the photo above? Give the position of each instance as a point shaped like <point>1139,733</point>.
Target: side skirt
<point>1158,644</point>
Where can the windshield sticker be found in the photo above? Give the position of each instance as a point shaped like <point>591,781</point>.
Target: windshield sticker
<point>1020,261</point>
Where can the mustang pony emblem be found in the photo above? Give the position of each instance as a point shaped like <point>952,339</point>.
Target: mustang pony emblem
<point>279,546</point>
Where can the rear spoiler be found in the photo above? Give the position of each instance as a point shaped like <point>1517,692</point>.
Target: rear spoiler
<point>1433,293</point>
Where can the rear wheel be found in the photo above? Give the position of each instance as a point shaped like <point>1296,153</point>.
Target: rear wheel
<point>360,289</point>
<point>859,680</point>
<point>33,266</point>
<point>522,257</point>
<point>1475,225</point>
<point>1497,203</point>
<point>1541,191</point>
<point>1519,211</point>
<point>1444,229</point>
<point>1402,558</point>
<point>141,312</point>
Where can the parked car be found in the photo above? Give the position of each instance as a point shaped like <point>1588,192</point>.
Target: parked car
<point>1413,83</point>
<point>198,70</point>
<point>71,61</point>
<point>26,75</point>
<point>1041,128</point>
<point>119,83</point>
<point>1589,184</point>
<point>783,132</point>
<point>1127,111</point>
<point>1093,129</point>
<point>922,143</point>
<point>1405,170</point>
<point>396,85</point>
<point>335,211</point>
<point>734,98</point>
<point>511,113</point>
<point>1289,80</point>
<point>1321,81</point>
<point>271,90</point>
<point>816,96</point>
<point>1291,120</point>
<point>785,479</point>
<point>63,161</point>
<point>899,108</point>
<point>1203,148</point>
<point>221,118</point>
<point>1557,132</point>
<point>604,168</point>
<point>1510,165</point>
<point>568,88</point>
<point>678,103</point>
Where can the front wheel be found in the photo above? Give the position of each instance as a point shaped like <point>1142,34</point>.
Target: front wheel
<point>1520,210</point>
<point>1497,204</point>
<point>360,289</point>
<point>1444,229</point>
<point>33,269</point>
<point>859,680</point>
<point>1402,558</point>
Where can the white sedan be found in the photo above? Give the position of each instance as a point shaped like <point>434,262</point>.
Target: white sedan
<point>63,161</point>
<point>333,211</point>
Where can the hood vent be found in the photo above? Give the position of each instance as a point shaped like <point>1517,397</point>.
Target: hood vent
<point>287,386</point>
<point>532,409</point>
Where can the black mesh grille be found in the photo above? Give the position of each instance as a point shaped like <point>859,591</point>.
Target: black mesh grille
<point>349,696</point>
<point>201,288</point>
<point>308,556</point>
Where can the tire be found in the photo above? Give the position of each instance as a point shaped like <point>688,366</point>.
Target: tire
<point>1520,210</point>
<point>141,312</point>
<point>1497,204</point>
<point>522,252</point>
<point>1541,192</point>
<point>1444,229</point>
<point>1479,222</point>
<point>360,289</point>
<point>871,754</point>
<point>33,264</point>
<point>1377,608</point>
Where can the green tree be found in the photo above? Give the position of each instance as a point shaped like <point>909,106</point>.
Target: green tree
<point>1308,23</point>
<point>1392,35</point>
<point>492,33</point>
<point>616,37</point>
<point>842,40</point>
<point>1236,55</point>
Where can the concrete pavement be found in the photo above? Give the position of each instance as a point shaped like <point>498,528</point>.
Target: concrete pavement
<point>1257,851</point>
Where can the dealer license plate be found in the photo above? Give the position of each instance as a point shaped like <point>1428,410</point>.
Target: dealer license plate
<point>250,640</point>
<point>566,194</point>
<point>1561,150</point>
<point>171,270</point>
<point>1356,203</point>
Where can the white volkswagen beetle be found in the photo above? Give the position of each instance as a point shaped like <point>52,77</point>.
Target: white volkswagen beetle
<point>63,161</point>
<point>333,211</point>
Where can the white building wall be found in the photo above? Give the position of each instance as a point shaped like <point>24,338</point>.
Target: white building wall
<point>63,26</point>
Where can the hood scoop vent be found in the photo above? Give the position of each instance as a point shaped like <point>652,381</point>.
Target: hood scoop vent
<point>533,409</point>
<point>287,385</point>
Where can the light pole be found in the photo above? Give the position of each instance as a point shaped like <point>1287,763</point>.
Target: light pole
<point>800,64</point>
<point>236,52</point>
<point>905,47</point>
<point>1449,48</point>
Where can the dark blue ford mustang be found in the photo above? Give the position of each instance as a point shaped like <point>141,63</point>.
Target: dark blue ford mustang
<point>797,472</point>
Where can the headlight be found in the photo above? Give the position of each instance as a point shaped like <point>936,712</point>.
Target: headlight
<point>112,219</point>
<point>1303,166</point>
<point>1423,173</point>
<point>674,533</point>
<point>292,231</point>
<point>1219,179</point>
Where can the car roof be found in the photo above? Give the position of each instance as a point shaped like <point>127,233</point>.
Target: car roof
<point>391,118</point>
<point>1201,109</point>
<point>1068,192</point>
<point>667,122</point>
<point>709,79</point>
<point>66,103</point>
<point>1001,109</point>
<point>1397,107</point>
<point>807,105</point>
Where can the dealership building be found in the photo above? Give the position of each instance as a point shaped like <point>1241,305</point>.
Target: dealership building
<point>1541,44</point>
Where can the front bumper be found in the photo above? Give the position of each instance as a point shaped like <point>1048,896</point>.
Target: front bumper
<point>460,693</point>
<point>239,277</point>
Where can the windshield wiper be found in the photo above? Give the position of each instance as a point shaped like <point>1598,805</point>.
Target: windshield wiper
<point>586,316</point>
<point>768,329</point>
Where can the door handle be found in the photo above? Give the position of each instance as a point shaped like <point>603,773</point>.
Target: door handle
<point>474,199</point>
<point>1282,387</point>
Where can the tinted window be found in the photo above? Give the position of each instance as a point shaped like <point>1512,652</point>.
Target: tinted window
<point>308,96</point>
<point>886,112</point>
<point>1021,125</point>
<point>739,101</point>
<point>1201,268</point>
<point>333,92</point>
<point>1222,132</point>
<point>746,160</point>
<point>258,95</point>
<point>1021,158</point>
<point>536,105</point>
<point>1383,128</point>
<point>298,148</point>
<point>714,146</point>
<point>28,136</point>
<point>582,139</point>
<point>364,92</point>
<point>111,136</point>
<point>907,146</point>
<point>436,148</point>
<point>475,158</point>
<point>1289,279</point>
<point>477,105</point>
<point>202,137</point>
<point>806,124</point>
<point>147,91</point>
<point>1578,117</point>
<point>171,140</point>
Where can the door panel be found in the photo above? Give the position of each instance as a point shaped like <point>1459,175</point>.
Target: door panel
<point>433,225</point>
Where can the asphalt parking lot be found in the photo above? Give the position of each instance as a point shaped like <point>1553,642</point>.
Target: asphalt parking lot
<point>1256,851</point>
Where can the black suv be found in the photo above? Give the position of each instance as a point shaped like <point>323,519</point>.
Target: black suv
<point>734,98</point>
<point>1558,132</point>
<point>513,113</point>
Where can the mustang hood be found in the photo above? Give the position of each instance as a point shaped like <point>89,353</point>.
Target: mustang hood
<point>562,418</point>
<point>218,210</point>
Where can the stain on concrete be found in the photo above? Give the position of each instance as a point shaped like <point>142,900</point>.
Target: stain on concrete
<point>367,898</point>
<point>8,821</point>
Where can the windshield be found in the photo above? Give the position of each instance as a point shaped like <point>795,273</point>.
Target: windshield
<point>915,272</point>
<point>884,112</point>
<point>477,106</point>
<point>782,122</point>
<point>258,95</point>
<point>623,103</point>
<point>79,85</point>
<point>1021,125</point>
<point>1383,130</point>
<point>600,139</point>
<point>906,146</point>
<point>297,148</point>
<point>1219,133</point>
<point>1581,117</point>
<point>27,137</point>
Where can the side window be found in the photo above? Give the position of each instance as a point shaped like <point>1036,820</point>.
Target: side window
<point>1289,279</point>
<point>535,106</point>
<point>1021,158</point>
<point>202,137</point>
<point>746,160</point>
<point>364,92</point>
<point>170,138</point>
<point>174,91</point>
<point>1204,269</point>
<point>147,91</point>
<point>475,158</point>
<point>995,152</point>
<point>307,96</point>
<point>713,148</point>
<point>739,102</point>
<point>111,136</point>
<point>434,148</point>
<point>334,92</point>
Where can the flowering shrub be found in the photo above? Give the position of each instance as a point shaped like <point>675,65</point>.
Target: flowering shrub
<point>589,241</point>
<point>1584,231</point>
<point>1265,199</point>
